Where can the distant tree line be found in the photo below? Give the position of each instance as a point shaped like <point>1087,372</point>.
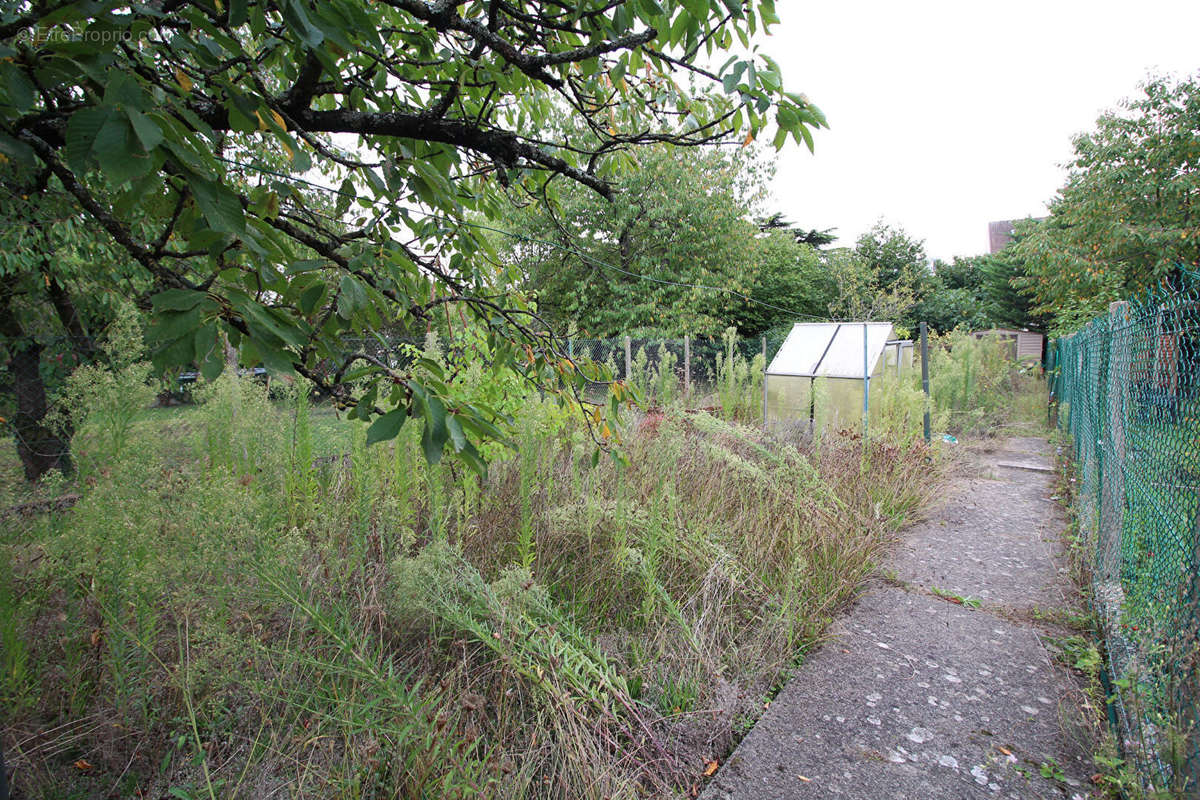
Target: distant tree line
<point>688,238</point>
<point>688,246</point>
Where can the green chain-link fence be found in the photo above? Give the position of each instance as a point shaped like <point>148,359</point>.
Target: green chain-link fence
<point>1128,389</point>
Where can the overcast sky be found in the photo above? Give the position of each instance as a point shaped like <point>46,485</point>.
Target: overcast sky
<point>947,115</point>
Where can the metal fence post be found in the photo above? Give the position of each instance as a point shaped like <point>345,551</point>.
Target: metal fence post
<point>1189,690</point>
<point>1116,389</point>
<point>628,359</point>
<point>866,384</point>
<point>687,368</point>
<point>925,375</point>
<point>764,380</point>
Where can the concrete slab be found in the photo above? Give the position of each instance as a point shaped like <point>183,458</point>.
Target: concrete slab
<point>916,697</point>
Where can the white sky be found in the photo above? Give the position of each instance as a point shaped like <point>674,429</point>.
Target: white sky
<point>947,115</point>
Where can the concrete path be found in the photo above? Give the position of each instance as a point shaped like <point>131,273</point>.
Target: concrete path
<point>915,696</point>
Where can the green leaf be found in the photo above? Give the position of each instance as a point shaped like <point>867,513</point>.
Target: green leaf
<point>808,139</point>
<point>173,325</point>
<point>119,158</point>
<point>735,8</point>
<point>237,13</point>
<point>470,456</point>
<point>310,297</point>
<point>295,16</point>
<point>220,206</point>
<point>267,324</point>
<point>433,438</point>
<point>147,130</point>
<point>307,265</point>
<point>351,298</point>
<point>481,427</point>
<point>18,87</point>
<point>82,129</point>
<point>276,360</point>
<point>458,439</point>
<point>113,139</point>
<point>177,300</point>
<point>730,82</point>
<point>17,150</point>
<point>209,352</point>
<point>175,353</point>
<point>387,426</point>
<point>346,195</point>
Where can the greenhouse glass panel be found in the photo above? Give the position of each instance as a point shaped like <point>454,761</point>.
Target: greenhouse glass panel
<point>817,378</point>
<point>803,349</point>
<point>845,356</point>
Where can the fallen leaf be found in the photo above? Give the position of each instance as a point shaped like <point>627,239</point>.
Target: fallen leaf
<point>185,82</point>
<point>710,768</point>
<point>83,764</point>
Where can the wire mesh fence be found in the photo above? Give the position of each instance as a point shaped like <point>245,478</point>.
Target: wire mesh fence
<point>692,362</point>
<point>1128,389</point>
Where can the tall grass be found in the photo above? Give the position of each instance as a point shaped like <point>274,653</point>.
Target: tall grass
<point>739,381</point>
<point>976,386</point>
<point>233,609</point>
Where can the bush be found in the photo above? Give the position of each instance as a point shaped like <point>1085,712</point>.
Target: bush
<point>102,401</point>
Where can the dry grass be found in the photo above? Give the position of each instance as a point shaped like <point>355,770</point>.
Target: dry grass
<point>213,621</point>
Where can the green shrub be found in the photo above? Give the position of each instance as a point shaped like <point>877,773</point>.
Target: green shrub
<point>102,401</point>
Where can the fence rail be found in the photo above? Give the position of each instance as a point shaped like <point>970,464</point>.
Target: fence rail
<point>1128,391</point>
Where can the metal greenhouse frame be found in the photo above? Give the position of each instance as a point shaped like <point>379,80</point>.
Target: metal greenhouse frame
<point>844,355</point>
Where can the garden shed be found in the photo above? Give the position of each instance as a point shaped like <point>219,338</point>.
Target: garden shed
<point>823,372</point>
<point>1021,345</point>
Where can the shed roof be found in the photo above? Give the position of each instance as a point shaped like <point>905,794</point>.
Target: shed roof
<point>830,349</point>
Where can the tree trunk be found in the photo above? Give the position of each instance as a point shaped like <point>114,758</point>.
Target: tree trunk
<point>39,447</point>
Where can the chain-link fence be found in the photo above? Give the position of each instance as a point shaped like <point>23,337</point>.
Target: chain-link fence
<point>1127,386</point>
<point>662,369</point>
<point>692,361</point>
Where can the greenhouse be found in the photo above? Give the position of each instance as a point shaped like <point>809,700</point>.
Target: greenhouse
<point>827,373</point>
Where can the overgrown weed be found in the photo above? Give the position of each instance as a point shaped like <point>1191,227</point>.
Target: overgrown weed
<point>234,609</point>
<point>977,387</point>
